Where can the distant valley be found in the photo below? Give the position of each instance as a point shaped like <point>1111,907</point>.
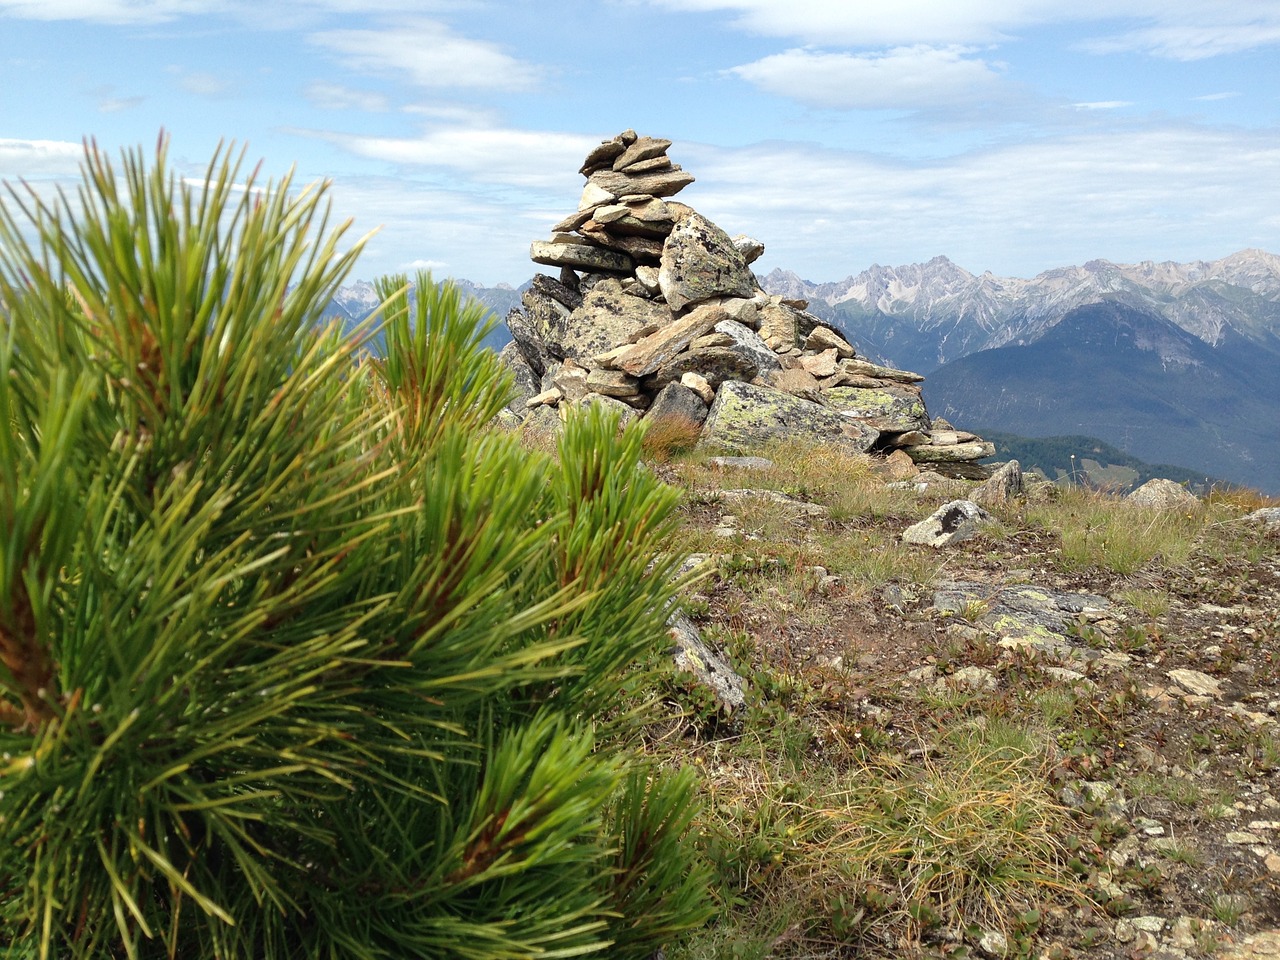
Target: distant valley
<point>1173,363</point>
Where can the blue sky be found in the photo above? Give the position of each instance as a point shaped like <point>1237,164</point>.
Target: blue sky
<point>1010,135</point>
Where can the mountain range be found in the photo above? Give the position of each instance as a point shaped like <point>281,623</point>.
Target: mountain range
<point>1172,363</point>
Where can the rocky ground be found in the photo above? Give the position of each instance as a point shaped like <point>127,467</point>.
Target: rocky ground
<point>1131,654</point>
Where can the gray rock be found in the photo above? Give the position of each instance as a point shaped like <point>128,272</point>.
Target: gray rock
<point>642,148</point>
<point>713,364</point>
<point>677,404</point>
<point>525,380</point>
<point>1004,485</point>
<point>1021,615</point>
<point>745,417</point>
<point>740,463</point>
<point>750,248</point>
<point>580,256</point>
<point>866,368</point>
<point>649,353</point>
<point>626,413</point>
<point>779,325</point>
<point>612,383</point>
<point>604,155</point>
<point>950,523</point>
<point>824,338</point>
<point>749,343</point>
<point>951,453</point>
<point>896,408</point>
<point>699,262</point>
<point>1162,494</point>
<point>608,317</point>
<point>1270,516</point>
<point>695,656</point>
<point>659,183</point>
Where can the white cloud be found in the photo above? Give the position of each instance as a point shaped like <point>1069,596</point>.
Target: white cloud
<point>1190,191</point>
<point>482,154</point>
<point>201,83</point>
<point>903,78</point>
<point>39,158</point>
<point>1225,95</point>
<point>334,96</point>
<point>118,104</point>
<point>165,11</point>
<point>429,54</point>
<point>1180,29</point>
<point>1195,40</point>
<point>1103,105</point>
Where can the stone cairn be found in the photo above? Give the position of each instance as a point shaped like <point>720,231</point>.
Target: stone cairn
<point>656,311</point>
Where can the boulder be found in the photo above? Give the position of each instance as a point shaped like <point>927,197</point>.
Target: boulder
<point>1163,495</point>
<point>746,416</point>
<point>750,344</point>
<point>951,453</point>
<point>952,522</point>
<point>649,353</point>
<point>890,409</point>
<point>1001,487</point>
<point>699,262</point>
<point>713,364</point>
<point>608,317</point>
<point>676,402</point>
<point>694,656</point>
<point>526,383</point>
<point>824,338</point>
<point>580,256</point>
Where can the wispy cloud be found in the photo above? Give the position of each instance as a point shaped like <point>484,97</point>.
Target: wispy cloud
<point>1178,29</point>
<point>903,78</point>
<point>334,96</point>
<point>429,54</point>
<point>39,158</point>
<point>1103,105</point>
<point>118,104</point>
<point>1225,95</point>
<point>481,154</point>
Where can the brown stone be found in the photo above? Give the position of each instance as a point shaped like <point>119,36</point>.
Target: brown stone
<point>648,354</point>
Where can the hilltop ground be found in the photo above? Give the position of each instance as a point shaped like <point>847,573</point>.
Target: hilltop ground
<point>906,780</point>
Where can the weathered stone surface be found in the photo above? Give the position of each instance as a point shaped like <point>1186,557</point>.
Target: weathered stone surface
<point>1163,495</point>
<point>526,381</point>
<point>899,466</point>
<point>740,463</point>
<point>824,338</point>
<point>742,310</point>
<point>714,364</point>
<point>866,368</point>
<point>625,413</point>
<point>1022,614</point>
<point>798,382</point>
<point>699,385</point>
<point>1003,486</point>
<point>1268,516</point>
<point>548,397</point>
<point>607,318</point>
<point>952,522</point>
<point>954,453</point>
<point>649,353</point>
<point>642,148</point>
<point>593,195</point>
<point>580,256</point>
<point>745,417</point>
<point>605,154</point>
<point>612,383</point>
<point>693,655</point>
<point>660,183</point>
<point>820,364</point>
<point>1196,682</point>
<point>642,250</point>
<point>778,325</point>
<point>892,409</point>
<point>571,380</point>
<point>750,344</point>
<point>699,262</point>
<point>650,217</point>
<point>677,403</point>
<point>647,166</point>
<point>750,248</point>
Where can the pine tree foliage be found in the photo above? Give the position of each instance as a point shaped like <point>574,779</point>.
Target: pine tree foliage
<point>297,658</point>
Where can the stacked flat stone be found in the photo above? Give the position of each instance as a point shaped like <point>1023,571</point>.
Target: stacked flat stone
<point>656,311</point>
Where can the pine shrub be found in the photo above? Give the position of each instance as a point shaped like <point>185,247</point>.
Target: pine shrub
<point>297,657</point>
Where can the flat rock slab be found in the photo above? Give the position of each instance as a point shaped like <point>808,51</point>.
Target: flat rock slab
<point>693,655</point>
<point>950,523</point>
<point>891,409</point>
<point>745,417</point>
<point>1022,614</point>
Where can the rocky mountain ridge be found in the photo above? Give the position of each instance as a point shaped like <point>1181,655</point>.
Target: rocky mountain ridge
<point>925,315</point>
